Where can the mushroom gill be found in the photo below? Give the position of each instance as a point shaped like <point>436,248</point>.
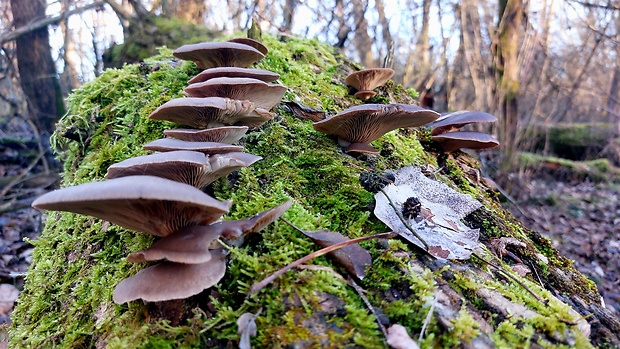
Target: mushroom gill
<point>208,148</point>
<point>452,141</point>
<point>234,72</point>
<point>262,94</point>
<point>224,134</point>
<point>365,81</point>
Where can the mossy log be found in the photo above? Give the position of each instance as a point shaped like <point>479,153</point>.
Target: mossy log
<point>78,260</point>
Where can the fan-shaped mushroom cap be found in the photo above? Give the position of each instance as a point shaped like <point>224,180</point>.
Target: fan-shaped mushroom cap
<point>452,141</point>
<point>148,204</point>
<point>367,122</point>
<point>219,54</point>
<point>211,112</point>
<point>189,167</point>
<point>454,121</point>
<point>251,42</point>
<point>224,134</point>
<point>193,244</point>
<point>168,280</point>
<point>365,81</point>
<point>169,144</point>
<point>262,94</point>
<point>234,72</point>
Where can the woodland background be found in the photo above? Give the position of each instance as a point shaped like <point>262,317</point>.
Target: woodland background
<point>549,69</point>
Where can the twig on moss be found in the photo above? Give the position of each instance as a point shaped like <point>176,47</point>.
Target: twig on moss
<point>427,320</point>
<point>360,292</point>
<point>403,220</point>
<point>258,286</point>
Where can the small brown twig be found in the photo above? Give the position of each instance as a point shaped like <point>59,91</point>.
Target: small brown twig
<point>19,177</point>
<point>402,219</point>
<point>360,292</point>
<point>258,286</point>
<point>500,270</point>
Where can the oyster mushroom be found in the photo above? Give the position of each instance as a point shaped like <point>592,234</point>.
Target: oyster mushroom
<point>189,167</point>
<point>224,134</point>
<point>211,112</point>
<point>262,94</point>
<point>251,42</point>
<point>234,72</point>
<point>219,54</point>
<point>168,280</point>
<point>365,81</point>
<point>148,204</point>
<point>208,148</point>
<point>452,141</point>
<point>356,127</point>
<point>194,244</point>
<point>454,121</point>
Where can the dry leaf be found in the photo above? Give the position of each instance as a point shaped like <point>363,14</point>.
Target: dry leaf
<point>439,222</point>
<point>246,327</point>
<point>353,257</point>
<point>398,338</point>
<point>498,246</point>
<point>521,269</point>
<point>8,296</point>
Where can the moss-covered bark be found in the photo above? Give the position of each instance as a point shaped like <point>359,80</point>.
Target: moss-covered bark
<point>78,260</point>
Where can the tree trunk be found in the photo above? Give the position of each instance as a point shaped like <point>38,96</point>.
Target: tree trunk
<point>188,10</point>
<point>289,14</point>
<point>36,67</point>
<point>507,67</point>
<point>363,42</point>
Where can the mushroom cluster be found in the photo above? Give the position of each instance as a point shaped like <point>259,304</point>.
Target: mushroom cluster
<point>357,126</point>
<point>446,131</point>
<point>160,194</point>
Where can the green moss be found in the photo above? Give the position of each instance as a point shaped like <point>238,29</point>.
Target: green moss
<point>78,260</point>
<point>599,170</point>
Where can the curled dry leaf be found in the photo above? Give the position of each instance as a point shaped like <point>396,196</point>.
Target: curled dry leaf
<point>498,246</point>
<point>246,327</point>
<point>520,269</point>
<point>398,338</point>
<point>439,222</point>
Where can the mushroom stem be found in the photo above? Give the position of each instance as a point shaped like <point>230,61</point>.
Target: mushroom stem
<point>259,286</point>
<point>402,219</point>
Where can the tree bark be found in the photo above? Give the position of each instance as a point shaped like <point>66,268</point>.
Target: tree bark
<point>36,67</point>
<point>363,42</point>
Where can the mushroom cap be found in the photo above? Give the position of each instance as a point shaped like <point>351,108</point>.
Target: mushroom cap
<point>219,54</point>
<point>251,42</point>
<point>189,167</point>
<point>168,280</point>
<point>148,204</point>
<point>262,94</point>
<point>224,134</point>
<point>367,80</point>
<point>211,112</point>
<point>193,244</point>
<point>235,72</point>
<point>452,141</point>
<point>208,148</point>
<point>367,122</point>
<point>454,121</point>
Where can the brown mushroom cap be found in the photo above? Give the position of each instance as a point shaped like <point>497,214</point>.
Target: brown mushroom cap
<point>251,42</point>
<point>456,120</point>
<point>189,167</point>
<point>234,72</point>
<point>168,280</point>
<point>193,244</point>
<point>224,134</point>
<point>366,123</point>
<point>262,94</point>
<point>208,148</point>
<point>148,204</point>
<point>452,141</point>
<point>366,81</point>
<point>219,54</point>
<point>211,112</point>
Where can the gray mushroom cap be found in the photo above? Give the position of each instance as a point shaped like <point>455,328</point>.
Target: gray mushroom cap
<point>452,141</point>
<point>208,148</point>
<point>189,167</point>
<point>194,244</point>
<point>219,54</point>
<point>262,94</point>
<point>168,280</point>
<point>148,204</point>
<point>454,121</point>
<point>235,72</point>
<point>224,134</point>
<point>251,42</point>
<point>211,112</point>
<point>367,122</point>
<point>365,81</point>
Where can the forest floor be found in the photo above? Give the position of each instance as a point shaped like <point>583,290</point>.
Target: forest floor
<point>581,219</point>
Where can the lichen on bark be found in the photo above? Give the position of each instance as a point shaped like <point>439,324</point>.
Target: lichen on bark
<point>78,260</point>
